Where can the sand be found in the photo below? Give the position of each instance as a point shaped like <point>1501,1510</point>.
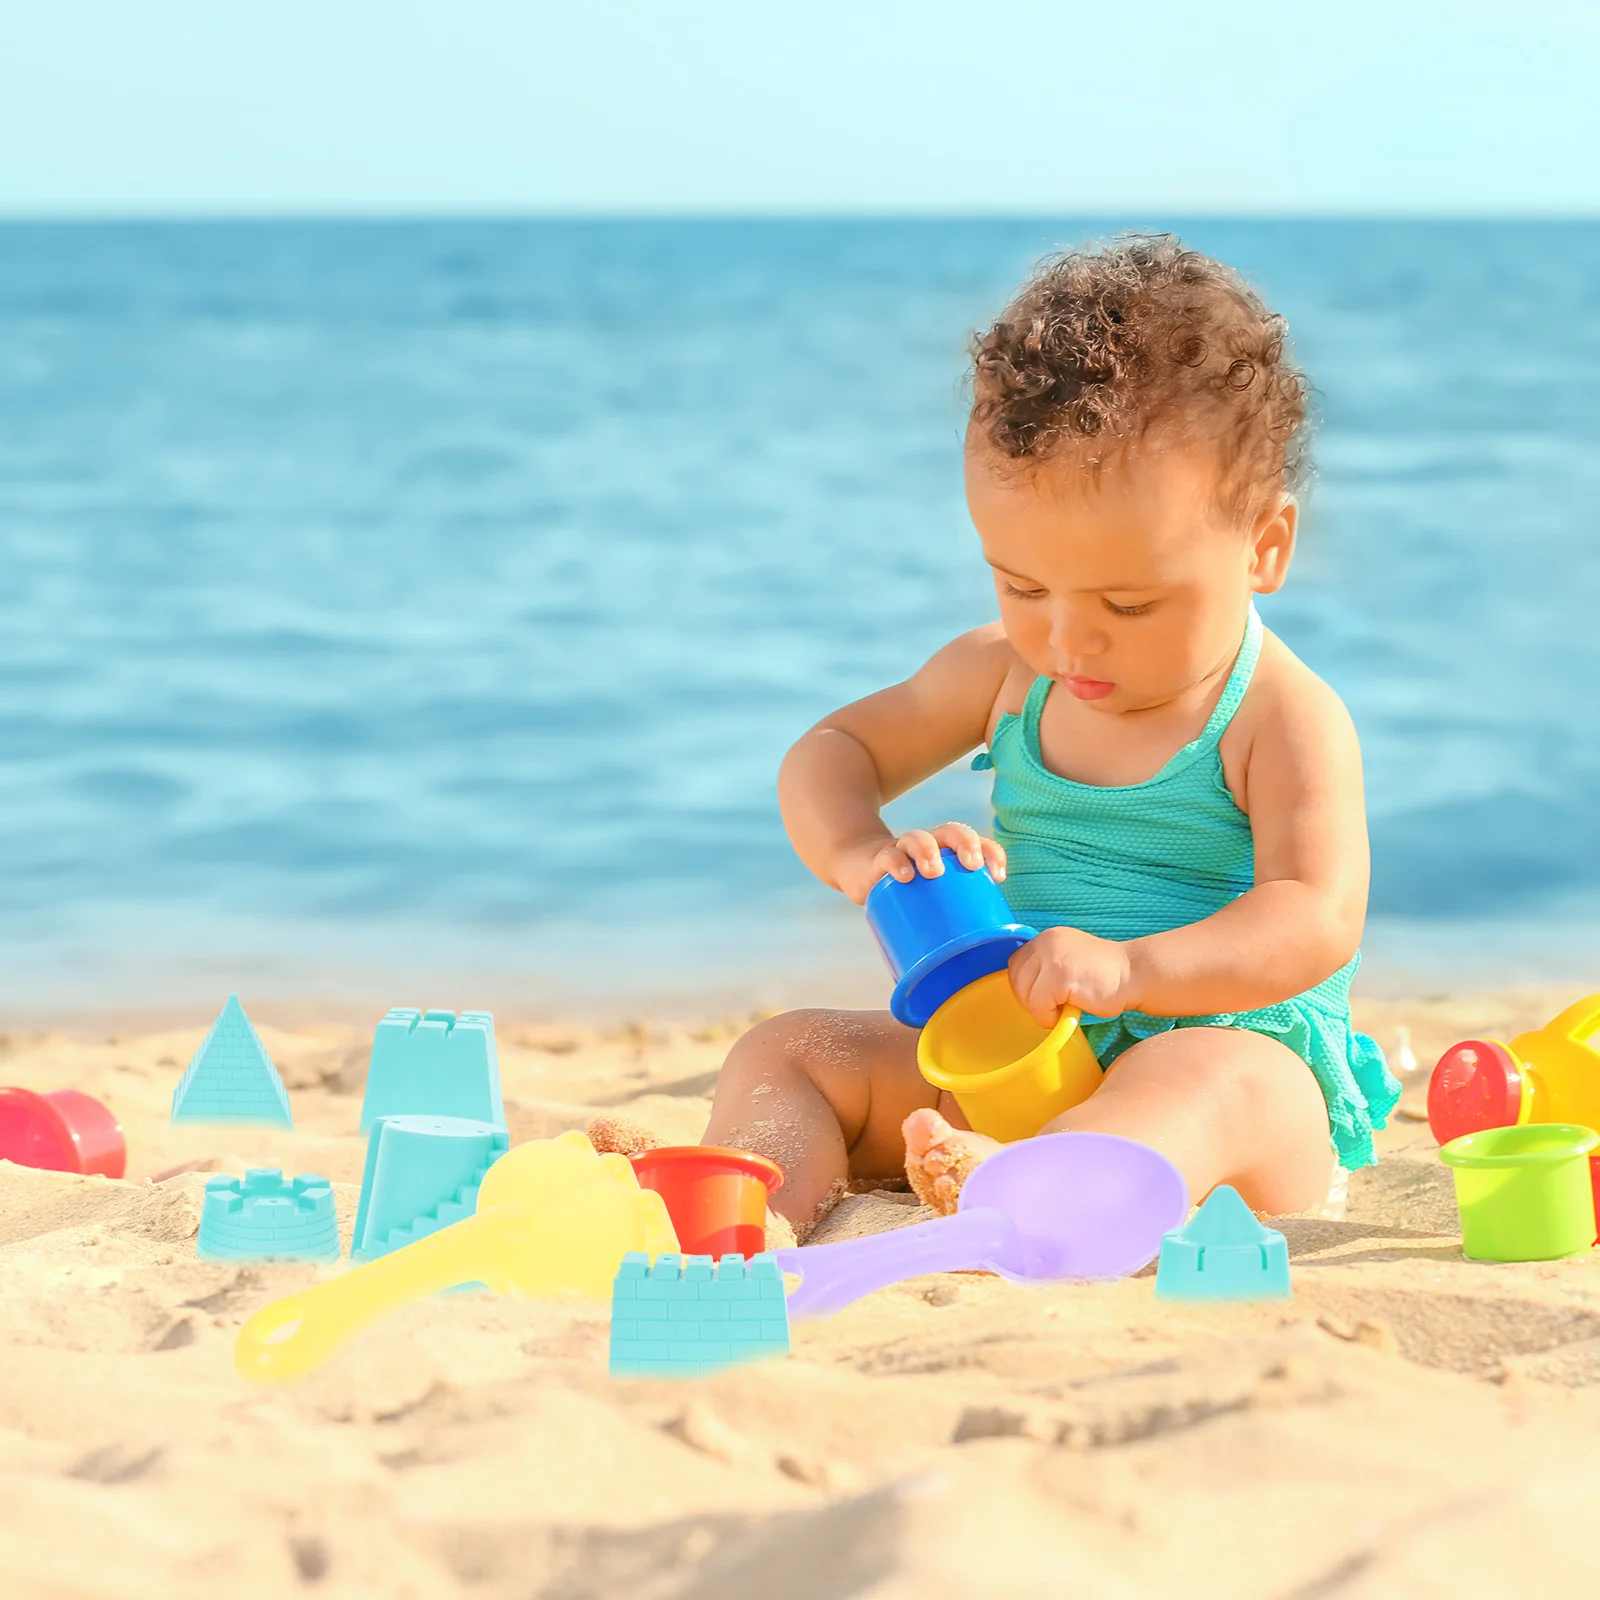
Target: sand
<point>1410,1424</point>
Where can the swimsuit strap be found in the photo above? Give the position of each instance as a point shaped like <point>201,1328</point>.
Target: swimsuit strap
<point>1238,681</point>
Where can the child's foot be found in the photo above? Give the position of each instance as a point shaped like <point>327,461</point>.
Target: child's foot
<point>939,1158</point>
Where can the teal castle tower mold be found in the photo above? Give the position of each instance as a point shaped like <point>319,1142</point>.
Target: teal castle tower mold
<point>434,1064</point>
<point>1224,1253</point>
<point>265,1217</point>
<point>422,1174</point>
<point>232,1078</point>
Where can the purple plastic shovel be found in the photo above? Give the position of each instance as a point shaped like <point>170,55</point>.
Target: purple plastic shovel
<point>1067,1205</point>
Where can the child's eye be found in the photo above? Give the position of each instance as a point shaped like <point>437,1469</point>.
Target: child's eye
<point>1128,611</point>
<point>1025,594</point>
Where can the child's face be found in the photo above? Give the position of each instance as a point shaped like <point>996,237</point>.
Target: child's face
<point>1129,587</point>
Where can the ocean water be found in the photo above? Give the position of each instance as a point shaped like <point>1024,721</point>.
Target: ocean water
<point>417,612</point>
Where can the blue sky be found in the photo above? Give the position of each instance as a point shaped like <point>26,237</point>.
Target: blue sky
<point>717,106</point>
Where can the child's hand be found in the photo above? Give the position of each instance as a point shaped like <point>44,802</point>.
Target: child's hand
<point>918,851</point>
<point>1067,967</point>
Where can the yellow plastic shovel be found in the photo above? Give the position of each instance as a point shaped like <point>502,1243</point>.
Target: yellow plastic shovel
<point>554,1221</point>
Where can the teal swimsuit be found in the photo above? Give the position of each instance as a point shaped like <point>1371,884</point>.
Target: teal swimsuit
<point>1141,858</point>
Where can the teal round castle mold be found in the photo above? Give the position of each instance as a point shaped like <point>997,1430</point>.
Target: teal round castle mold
<point>264,1216</point>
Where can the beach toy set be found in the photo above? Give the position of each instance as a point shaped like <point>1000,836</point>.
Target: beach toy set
<point>1517,1124</point>
<point>947,941</point>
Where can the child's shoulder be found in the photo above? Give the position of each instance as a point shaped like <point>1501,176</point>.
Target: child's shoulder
<point>1288,713</point>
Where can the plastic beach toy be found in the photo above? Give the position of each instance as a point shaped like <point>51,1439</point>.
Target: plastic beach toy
<point>267,1217</point>
<point>434,1064</point>
<point>232,1078</point>
<point>1551,1074</point>
<point>688,1315</point>
<point>1224,1253</point>
<point>1068,1205</point>
<point>717,1198</point>
<point>554,1221</point>
<point>1009,1075</point>
<point>940,934</point>
<point>1524,1193</point>
<point>62,1131</point>
<point>422,1174</point>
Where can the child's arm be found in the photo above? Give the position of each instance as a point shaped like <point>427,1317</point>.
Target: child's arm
<point>839,776</point>
<point>1298,925</point>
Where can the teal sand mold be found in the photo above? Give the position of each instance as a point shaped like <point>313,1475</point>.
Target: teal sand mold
<point>434,1064</point>
<point>686,1316</point>
<point>232,1078</point>
<point>1224,1253</point>
<point>265,1217</point>
<point>421,1175</point>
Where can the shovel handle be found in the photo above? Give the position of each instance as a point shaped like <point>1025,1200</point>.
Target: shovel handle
<point>291,1336</point>
<point>834,1275</point>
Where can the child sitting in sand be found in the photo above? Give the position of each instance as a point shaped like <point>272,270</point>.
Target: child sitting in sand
<point>1177,798</point>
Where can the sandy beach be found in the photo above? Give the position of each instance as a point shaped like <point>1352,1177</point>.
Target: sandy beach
<point>1410,1424</point>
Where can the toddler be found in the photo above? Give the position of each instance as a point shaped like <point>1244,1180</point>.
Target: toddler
<point>1177,798</point>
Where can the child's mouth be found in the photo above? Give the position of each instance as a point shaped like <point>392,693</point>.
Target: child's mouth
<point>1088,688</point>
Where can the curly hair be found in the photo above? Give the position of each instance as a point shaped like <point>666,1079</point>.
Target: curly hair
<point>1102,346</point>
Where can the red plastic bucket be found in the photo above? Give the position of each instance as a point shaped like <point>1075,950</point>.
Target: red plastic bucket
<point>63,1131</point>
<point>717,1198</point>
<point>1594,1184</point>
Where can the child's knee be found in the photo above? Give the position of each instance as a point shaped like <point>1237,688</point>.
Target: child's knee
<point>806,1041</point>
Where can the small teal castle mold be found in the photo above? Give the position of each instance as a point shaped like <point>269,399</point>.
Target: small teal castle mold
<point>232,1078</point>
<point>686,1315</point>
<point>434,1064</point>
<point>1224,1253</point>
<point>265,1217</point>
<point>421,1175</point>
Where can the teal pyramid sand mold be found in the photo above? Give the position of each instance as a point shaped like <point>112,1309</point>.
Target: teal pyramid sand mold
<point>434,1064</point>
<point>232,1078</point>
<point>265,1217</point>
<point>422,1174</point>
<point>1224,1253</point>
<point>686,1315</point>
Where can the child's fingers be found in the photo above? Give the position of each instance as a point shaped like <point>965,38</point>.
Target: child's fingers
<point>1032,985</point>
<point>894,862</point>
<point>964,840</point>
<point>994,858</point>
<point>923,850</point>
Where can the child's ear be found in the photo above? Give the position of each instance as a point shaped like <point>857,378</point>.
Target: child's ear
<point>1272,544</point>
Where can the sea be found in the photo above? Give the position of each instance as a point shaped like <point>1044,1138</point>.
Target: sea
<point>418,612</point>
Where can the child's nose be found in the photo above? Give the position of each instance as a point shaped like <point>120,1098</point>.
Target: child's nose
<point>1074,634</point>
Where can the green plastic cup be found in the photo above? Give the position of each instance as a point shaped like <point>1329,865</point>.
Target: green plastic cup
<point>1524,1193</point>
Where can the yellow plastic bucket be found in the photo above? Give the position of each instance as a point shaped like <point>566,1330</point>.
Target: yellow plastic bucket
<point>1009,1075</point>
<point>1524,1193</point>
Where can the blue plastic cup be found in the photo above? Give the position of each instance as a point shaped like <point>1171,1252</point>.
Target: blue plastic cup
<point>940,934</point>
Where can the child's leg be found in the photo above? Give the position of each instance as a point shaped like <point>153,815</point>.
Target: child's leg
<point>1224,1105</point>
<point>824,1094</point>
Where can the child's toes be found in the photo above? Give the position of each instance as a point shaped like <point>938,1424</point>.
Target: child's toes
<point>924,1130</point>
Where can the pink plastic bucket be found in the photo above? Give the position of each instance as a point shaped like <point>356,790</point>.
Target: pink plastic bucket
<point>63,1131</point>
